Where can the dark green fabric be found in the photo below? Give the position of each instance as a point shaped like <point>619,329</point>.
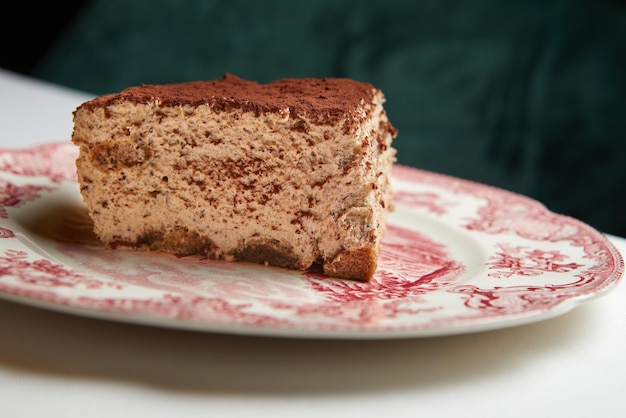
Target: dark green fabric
<point>525,95</point>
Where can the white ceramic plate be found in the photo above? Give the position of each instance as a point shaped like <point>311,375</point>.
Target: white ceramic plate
<point>458,257</point>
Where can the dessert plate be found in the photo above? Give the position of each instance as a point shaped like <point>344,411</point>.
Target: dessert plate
<point>457,257</point>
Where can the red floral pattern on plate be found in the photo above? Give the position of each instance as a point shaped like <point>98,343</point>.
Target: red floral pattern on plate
<point>457,257</point>
<point>56,162</point>
<point>511,261</point>
<point>12,195</point>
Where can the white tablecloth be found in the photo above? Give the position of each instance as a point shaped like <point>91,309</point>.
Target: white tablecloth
<point>58,365</point>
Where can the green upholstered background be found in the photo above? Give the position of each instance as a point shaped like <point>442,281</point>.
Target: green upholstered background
<point>525,95</point>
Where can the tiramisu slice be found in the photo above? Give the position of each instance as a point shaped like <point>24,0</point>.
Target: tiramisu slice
<point>291,173</point>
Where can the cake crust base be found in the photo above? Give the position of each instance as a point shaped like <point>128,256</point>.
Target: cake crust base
<point>350,264</point>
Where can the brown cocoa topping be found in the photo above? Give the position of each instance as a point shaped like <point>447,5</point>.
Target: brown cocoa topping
<point>324,101</point>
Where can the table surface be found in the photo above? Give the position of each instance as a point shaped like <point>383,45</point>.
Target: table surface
<point>58,365</point>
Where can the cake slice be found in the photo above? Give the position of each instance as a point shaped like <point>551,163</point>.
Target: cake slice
<point>291,173</point>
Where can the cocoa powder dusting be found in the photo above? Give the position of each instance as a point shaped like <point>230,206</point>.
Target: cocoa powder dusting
<point>323,100</point>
